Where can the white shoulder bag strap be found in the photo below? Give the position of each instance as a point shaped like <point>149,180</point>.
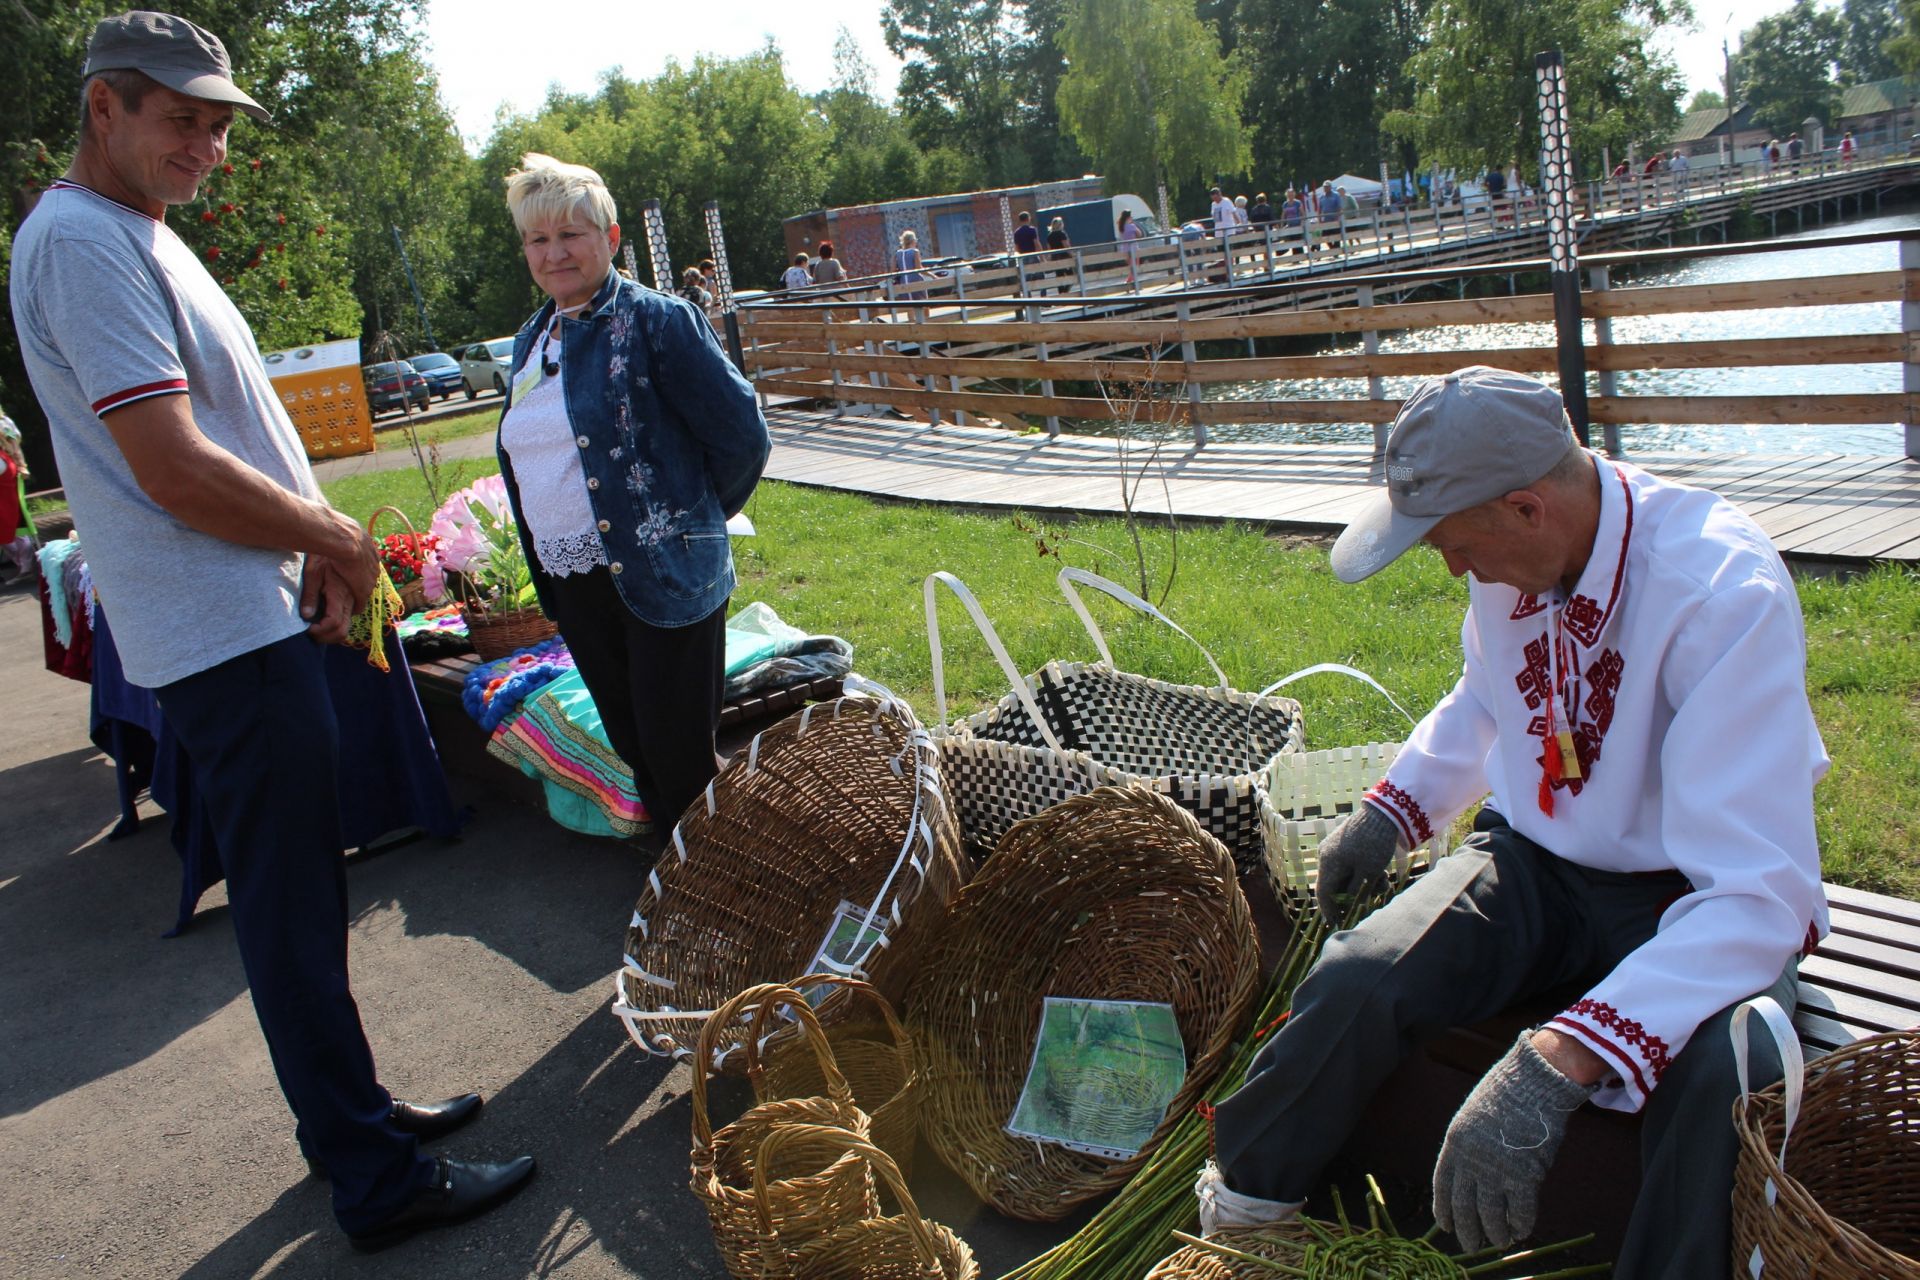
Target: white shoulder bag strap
<point>1070,575</point>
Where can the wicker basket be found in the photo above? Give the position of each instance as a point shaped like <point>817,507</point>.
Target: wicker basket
<point>413,596</point>
<point>875,1054</point>
<point>903,1247</point>
<point>498,632</point>
<point>1304,795</point>
<point>1117,895</point>
<point>815,1187</point>
<point>1845,1204</point>
<point>840,802</point>
<point>1276,1244</point>
<point>1074,726</point>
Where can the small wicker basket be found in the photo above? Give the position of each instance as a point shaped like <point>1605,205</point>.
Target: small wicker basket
<point>903,1247</point>
<point>874,1053</point>
<point>1115,895</point>
<point>498,632</point>
<point>413,595</point>
<point>1845,1204</point>
<point>813,1188</point>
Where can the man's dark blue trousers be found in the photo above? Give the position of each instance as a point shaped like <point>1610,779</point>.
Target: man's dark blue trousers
<point>261,733</point>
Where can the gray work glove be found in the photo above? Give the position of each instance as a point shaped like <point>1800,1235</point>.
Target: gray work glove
<point>1354,854</point>
<point>1499,1146</point>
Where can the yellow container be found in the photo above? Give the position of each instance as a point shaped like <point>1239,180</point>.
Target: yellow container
<point>321,389</point>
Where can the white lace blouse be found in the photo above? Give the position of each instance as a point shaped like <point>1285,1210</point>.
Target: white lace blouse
<point>546,467</point>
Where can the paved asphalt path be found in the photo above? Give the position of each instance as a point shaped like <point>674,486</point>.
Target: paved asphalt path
<point>142,1133</point>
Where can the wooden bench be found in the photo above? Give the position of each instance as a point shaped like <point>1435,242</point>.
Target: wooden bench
<point>1864,979</point>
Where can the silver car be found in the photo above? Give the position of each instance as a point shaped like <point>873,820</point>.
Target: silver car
<point>484,366</point>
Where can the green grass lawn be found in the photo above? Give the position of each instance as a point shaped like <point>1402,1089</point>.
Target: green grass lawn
<point>481,419</point>
<point>1265,606</point>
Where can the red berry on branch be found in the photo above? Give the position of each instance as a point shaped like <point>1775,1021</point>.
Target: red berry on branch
<point>209,216</point>
<point>213,252</point>
<point>254,163</point>
<point>283,282</point>
<point>227,207</point>
<point>319,231</point>
<point>226,168</point>
<point>281,218</point>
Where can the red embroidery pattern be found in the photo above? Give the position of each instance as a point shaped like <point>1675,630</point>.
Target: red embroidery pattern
<point>1528,606</point>
<point>1533,681</point>
<point>1583,618</point>
<point>1397,797</point>
<point>1603,683</point>
<point>1651,1047</point>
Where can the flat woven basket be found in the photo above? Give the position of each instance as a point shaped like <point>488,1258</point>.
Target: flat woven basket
<point>874,1052</point>
<point>1073,726</point>
<point>1115,895</point>
<point>812,1188</point>
<point>1304,795</point>
<point>903,1247</point>
<point>1276,1244</point>
<point>840,802</point>
<point>1844,1202</point>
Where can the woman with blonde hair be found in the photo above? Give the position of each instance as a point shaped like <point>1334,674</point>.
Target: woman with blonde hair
<point>627,442</point>
<point>906,261</point>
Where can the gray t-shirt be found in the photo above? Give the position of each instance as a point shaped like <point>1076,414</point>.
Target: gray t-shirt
<point>111,307</point>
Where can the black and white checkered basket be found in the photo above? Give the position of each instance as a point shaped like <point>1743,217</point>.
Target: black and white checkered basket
<point>1073,726</point>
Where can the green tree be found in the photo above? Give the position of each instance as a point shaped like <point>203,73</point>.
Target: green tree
<point>1323,74</point>
<point>1149,95</point>
<point>869,154</point>
<point>1869,25</point>
<point>1787,66</point>
<point>1707,100</point>
<point>958,88</point>
<point>1475,99</point>
<point>1904,47</point>
<point>1040,65</point>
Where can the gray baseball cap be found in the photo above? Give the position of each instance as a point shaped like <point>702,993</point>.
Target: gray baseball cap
<point>173,51</point>
<point>1459,440</point>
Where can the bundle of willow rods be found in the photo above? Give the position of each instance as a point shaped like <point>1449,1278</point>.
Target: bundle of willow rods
<point>1131,1231</point>
<point>1308,1250</point>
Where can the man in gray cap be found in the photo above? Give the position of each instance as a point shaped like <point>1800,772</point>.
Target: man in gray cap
<point>1634,701</point>
<point>223,570</point>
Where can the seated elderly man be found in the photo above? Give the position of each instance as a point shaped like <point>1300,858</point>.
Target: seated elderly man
<point>1634,701</point>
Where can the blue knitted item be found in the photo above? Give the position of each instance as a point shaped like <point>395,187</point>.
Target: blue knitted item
<point>520,674</point>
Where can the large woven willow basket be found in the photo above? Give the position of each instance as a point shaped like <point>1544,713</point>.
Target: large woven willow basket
<point>1828,1181</point>
<point>1115,895</point>
<point>812,1188</point>
<point>1073,726</point>
<point>495,633</point>
<point>903,1247</point>
<point>840,802</point>
<point>874,1052</point>
<point>1275,1244</point>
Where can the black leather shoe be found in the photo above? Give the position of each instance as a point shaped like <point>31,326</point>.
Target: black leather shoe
<point>425,1121</point>
<point>460,1189</point>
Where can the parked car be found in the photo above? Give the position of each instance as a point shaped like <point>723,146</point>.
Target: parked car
<point>484,366</point>
<point>441,371</point>
<point>392,384</point>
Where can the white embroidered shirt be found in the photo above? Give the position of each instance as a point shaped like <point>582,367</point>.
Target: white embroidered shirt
<point>546,466</point>
<point>1683,662</point>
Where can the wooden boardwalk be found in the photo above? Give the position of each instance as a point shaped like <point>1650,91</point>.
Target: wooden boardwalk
<point>1848,508</point>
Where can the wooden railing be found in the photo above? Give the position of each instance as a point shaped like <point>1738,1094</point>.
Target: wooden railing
<point>934,360</point>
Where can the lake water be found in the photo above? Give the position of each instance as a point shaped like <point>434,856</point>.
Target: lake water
<point>1783,322</point>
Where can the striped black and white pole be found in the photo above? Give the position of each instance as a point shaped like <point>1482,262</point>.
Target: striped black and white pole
<point>723,285</point>
<point>1563,250</point>
<point>657,245</point>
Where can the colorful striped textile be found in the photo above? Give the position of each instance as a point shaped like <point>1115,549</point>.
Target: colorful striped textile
<point>558,739</point>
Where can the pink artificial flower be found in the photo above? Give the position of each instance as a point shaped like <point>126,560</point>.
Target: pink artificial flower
<point>463,546</point>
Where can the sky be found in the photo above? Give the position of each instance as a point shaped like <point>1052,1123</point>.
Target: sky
<point>492,54</point>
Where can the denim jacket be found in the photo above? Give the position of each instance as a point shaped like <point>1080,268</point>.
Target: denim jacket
<point>671,444</point>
